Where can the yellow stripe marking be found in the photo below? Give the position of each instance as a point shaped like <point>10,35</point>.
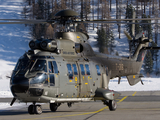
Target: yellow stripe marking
<point>122,99</point>
<point>43,118</point>
<point>134,93</point>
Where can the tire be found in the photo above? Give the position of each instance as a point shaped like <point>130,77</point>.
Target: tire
<point>53,107</point>
<point>31,109</point>
<point>38,109</point>
<point>112,105</point>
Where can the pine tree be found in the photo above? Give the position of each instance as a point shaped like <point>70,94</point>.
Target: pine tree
<point>129,15</point>
<point>111,41</point>
<point>87,8</point>
<point>102,40</point>
<point>154,52</point>
<point>117,54</point>
<point>147,28</point>
<point>155,56</point>
<point>148,63</point>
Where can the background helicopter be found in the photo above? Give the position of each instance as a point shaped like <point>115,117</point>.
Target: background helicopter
<point>67,70</point>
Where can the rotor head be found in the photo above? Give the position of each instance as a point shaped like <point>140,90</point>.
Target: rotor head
<point>66,13</point>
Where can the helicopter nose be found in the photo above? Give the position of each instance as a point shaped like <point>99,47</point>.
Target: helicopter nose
<point>19,85</point>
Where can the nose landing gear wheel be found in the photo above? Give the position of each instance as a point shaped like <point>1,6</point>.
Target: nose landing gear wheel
<point>112,105</point>
<point>38,109</point>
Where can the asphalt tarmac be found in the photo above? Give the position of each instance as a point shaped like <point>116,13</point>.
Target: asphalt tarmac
<point>131,106</point>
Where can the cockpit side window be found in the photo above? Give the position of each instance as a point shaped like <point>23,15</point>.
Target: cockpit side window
<point>40,65</point>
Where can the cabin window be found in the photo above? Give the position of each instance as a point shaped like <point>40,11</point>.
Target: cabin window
<point>98,70</point>
<point>70,73</point>
<point>55,68</point>
<point>82,69</point>
<point>50,67</point>
<point>75,69</point>
<point>40,65</point>
<point>87,69</point>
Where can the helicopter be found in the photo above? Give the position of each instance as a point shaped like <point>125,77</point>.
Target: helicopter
<point>67,70</point>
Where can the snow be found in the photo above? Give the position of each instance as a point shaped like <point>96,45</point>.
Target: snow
<point>150,84</point>
<point>13,43</point>
<point>6,68</point>
<point>14,38</point>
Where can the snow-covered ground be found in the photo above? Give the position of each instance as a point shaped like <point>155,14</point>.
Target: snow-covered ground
<point>150,84</point>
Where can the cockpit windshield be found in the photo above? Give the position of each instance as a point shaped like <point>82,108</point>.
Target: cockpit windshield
<point>40,65</point>
<point>33,65</point>
<point>23,63</point>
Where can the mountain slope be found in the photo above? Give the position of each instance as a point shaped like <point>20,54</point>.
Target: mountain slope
<point>13,38</point>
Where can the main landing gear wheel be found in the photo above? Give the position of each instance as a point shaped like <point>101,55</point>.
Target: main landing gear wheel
<point>35,109</point>
<point>112,105</point>
<point>54,106</point>
<point>31,109</point>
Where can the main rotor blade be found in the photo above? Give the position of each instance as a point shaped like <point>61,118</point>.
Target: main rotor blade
<point>36,22</point>
<point>107,22</point>
<point>127,19</point>
<point>21,22</point>
<point>24,20</point>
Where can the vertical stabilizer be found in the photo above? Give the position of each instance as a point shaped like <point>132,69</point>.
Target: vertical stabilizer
<point>139,53</point>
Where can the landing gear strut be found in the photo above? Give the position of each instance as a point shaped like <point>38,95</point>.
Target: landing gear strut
<point>35,109</point>
<point>111,104</point>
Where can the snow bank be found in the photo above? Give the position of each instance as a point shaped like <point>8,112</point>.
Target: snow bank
<point>150,84</point>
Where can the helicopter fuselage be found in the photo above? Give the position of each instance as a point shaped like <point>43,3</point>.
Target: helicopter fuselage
<point>49,77</point>
<point>68,70</point>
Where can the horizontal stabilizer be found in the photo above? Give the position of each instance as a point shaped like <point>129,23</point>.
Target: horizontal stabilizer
<point>134,79</point>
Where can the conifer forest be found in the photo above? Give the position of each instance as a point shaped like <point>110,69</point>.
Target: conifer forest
<point>101,9</point>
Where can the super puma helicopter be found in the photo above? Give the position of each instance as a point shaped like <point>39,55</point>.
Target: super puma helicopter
<point>67,70</point>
